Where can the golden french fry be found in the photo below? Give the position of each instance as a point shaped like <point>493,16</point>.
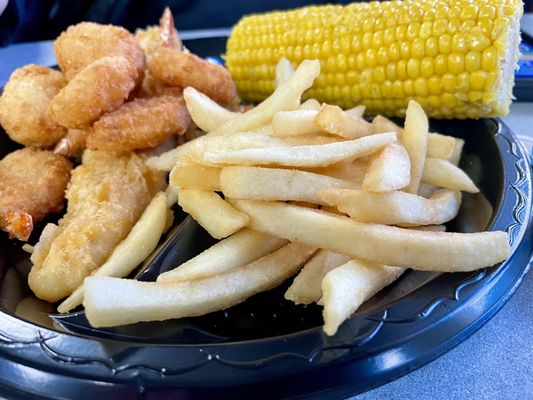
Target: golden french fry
<point>195,176</point>
<point>305,288</point>
<point>333,120</point>
<point>415,138</point>
<point>310,104</point>
<point>353,171</point>
<point>205,113</point>
<point>235,251</point>
<point>276,184</point>
<point>115,301</point>
<point>356,112</point>
<point>457,151</point>
<point>301,156</point>
<point>382,124</point>
<point>427,251</point>
<point>213,213</point>
<point>295,123</point>
<point>440,146</point>
<point>284,71</point>
<point>444,174</point>
<point>133,250</point>
<point>394,208</point>
<point>388,170</point>
<point>286,97</point>
<point>345,288</point>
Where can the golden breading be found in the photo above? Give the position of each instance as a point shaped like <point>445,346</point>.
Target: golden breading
<point>100,87</point>
<point>33,184</point>
<point>152,87</point>
<point>25,104</point>
<point>139,124</point>
<point>86,42</point>
<point>181,68</point>
<point>106,196</point>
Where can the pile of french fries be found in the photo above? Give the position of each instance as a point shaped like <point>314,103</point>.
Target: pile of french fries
<point>304,189</point>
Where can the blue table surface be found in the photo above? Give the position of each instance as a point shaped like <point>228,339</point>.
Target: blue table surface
<point>494,363</point>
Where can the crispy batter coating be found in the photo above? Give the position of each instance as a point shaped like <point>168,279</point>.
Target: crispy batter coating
<point>83,43</point>
<point>106,196</point>
<point>100,87</point>
<point>139,124</point>
<point>181,68</point>
<point>25,104</point>
<point>152,87</point>
<point>33,184</point>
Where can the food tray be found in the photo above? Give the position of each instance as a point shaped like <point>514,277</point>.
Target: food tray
<point>267,347</point>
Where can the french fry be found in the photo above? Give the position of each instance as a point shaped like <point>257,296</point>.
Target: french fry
<point>205,113</point>
<point>295,123</point>
<point>213,213</point>
<point>394,208</point>
<point>457,151</point>
<point>133,250</point>
<point>235,251</point>
<point>301,156</point>
<point>276,184</point>
<point>388,170</point>
<point>382,124</point>
<point>306,287</point>
<point>284,71</point>
<point>353,171</point>
<point>415,138</point>
<point>346,287</point>
<point>310,104</point>
<point>444,174</point>
<point>426,251</point>
<point>440,146</point>
<point>195,176</point>
<point>286,97</point>
<point>356,112</point>
<point>333,120</point>
<point>115,301</point>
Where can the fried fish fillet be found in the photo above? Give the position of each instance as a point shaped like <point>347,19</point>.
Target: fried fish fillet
<point>32,185</point>
<point>106,196</point>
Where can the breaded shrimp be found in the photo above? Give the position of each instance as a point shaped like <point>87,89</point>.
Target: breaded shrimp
<point>181,68</point>
<point>164,35</point>
<point>25,104</point>
<point>73,144</point>
<point>152,87</point>
<point>106,196</point>
<point>100,87</point>
<point>33,184</point>
<point>139,124</point>
<point>86,42</point>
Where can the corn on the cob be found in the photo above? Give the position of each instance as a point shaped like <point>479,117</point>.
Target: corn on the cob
<point>454,57</point>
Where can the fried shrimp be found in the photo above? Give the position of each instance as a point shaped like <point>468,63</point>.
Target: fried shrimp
<point>33,184</point>
<point>100,87</point>
<point>25,104</point>
<point>73,144</point>
<point>106,196</point>
<point>181,68</point>
<point>164,35</point>
<point>139,124</point>
<point>86,42</point>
